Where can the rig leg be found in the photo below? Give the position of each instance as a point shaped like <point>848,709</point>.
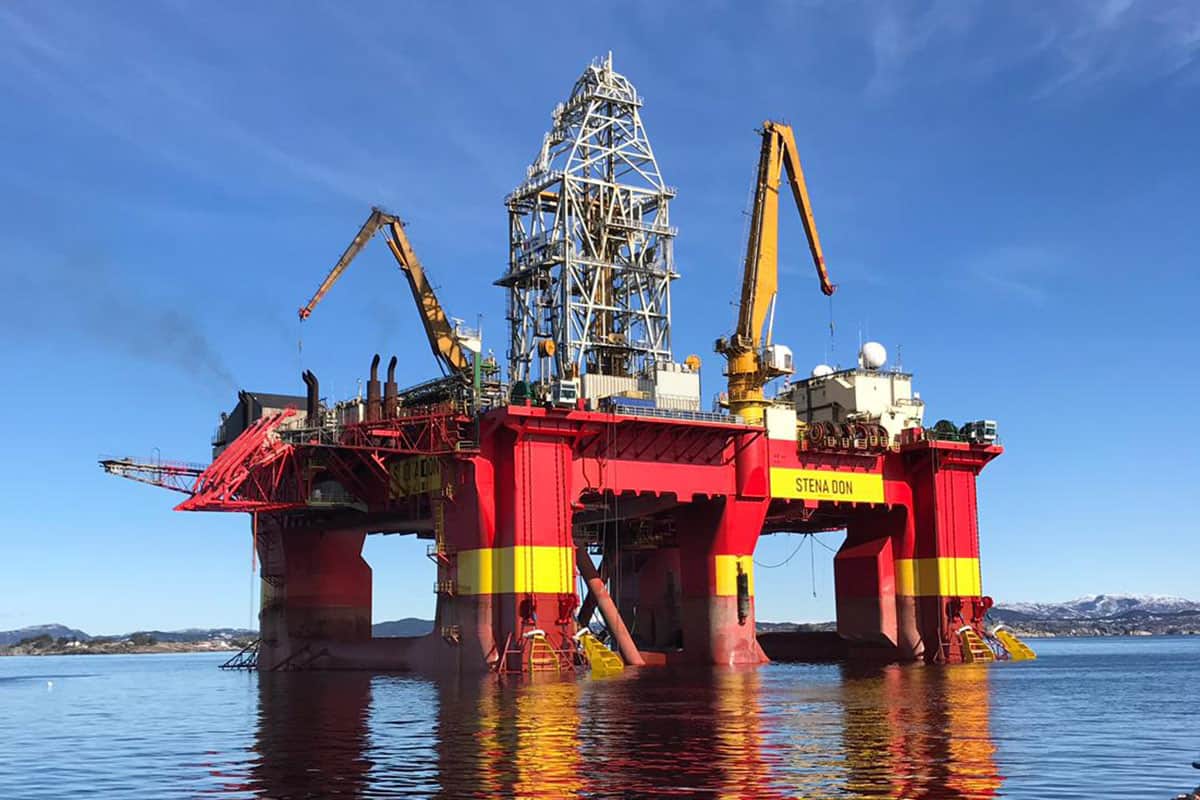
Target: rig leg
<point>937,567</point>
<point>316,588</point>
<point>865,586</point>
<point>717,539</point>
<point>658,608</point>
<point>531,568</point>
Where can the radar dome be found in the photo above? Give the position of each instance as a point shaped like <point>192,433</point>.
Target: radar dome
<point>873,355</point>
<point>822,370</point>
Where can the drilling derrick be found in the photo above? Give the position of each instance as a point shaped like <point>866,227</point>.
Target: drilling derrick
<point>590,242</point>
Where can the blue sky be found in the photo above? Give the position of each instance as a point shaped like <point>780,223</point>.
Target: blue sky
<point>1007,193</point>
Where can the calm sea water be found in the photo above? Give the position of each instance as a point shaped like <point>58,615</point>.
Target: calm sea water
<point>1111,718</point>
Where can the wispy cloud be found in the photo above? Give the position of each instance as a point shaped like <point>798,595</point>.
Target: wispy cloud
<point>1072,46</point>
<point>115,78</point>
<point>1021,272</point>
<point>896,38</point>
<point>1119,40</point>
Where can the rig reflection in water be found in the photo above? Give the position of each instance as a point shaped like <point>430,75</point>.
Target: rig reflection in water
<point>782,731</point>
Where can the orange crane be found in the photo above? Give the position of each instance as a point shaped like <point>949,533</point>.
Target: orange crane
<point>753,359</point>
<point>449,348</point>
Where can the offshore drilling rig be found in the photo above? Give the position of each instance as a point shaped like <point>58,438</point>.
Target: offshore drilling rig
<point>593,442</point>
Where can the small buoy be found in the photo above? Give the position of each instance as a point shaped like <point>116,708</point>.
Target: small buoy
<point>49,686</point>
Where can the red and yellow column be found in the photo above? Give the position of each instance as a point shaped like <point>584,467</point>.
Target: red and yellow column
<point>716,558</point>
<point>526,571</point>
<point>938,580</point>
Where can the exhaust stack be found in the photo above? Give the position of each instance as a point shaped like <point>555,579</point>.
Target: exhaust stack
<point>312,397</point>
<point>391,392</point>
<point>373,399</point>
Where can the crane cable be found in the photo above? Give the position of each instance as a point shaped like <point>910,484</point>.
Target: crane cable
<point>811,536</point>
<point>812,558</point>
<point>803,536</point>
<point>253,567</point>
<point>832,341</point>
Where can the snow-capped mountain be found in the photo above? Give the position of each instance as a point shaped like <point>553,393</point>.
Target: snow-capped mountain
<point>1100,606</point>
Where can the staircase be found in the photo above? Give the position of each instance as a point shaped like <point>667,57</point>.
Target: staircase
<point>604,662</point>
<point>1017,649</point>
<point>975,649</point>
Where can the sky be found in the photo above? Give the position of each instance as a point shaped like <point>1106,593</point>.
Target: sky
<point>1006,195</point>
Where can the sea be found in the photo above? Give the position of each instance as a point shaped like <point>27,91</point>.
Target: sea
<point>1090,718</point>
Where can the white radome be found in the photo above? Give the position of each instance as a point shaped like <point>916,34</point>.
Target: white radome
<point>873,355</point>
<point>821,370</point>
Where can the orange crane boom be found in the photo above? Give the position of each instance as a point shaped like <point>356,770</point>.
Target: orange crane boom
<point>749,369</point>
<point>441,334</point>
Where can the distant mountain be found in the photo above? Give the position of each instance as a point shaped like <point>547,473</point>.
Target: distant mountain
<point>1100,606</point>
<point>1101,615</point>
<point>189,635</point>
<point>53,630</point>
<point>1094,615</point>
<point>409,626</point>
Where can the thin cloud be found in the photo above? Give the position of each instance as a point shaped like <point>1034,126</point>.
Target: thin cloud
<point>1071,47</point>
<point>1120,40</point>
<point>170,109</point>
<point>896,38</point>
<point>1022,272</point>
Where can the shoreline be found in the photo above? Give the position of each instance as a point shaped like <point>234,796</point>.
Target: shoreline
<point>160,648</point>
<point>123,649</point>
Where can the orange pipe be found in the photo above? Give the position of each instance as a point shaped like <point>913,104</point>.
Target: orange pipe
<point>608,609</point>
<point>589,603</point>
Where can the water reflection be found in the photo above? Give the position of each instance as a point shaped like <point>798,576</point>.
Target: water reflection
<point>509,739</point>
<point>919,732</point>
<point>313,735</point>
<point>782,731</point>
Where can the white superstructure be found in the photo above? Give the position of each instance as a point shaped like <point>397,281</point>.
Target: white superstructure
<point>867,393</point>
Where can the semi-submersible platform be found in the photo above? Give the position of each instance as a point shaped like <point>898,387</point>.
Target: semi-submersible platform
<point>592,442</point>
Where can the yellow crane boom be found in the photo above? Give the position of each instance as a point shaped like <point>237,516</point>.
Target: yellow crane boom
<point>750,366</point>
<point>443,340</point>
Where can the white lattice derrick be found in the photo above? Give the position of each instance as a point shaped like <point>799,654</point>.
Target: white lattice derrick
<point>590,257</point>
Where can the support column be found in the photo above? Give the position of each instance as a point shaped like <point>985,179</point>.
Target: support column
<point>716,546</point>
<point>940,576</point>
<point>529,572</point>
<point>316,587</point>
<point>864,583</point>
<point>465,604</point>
<point>658,611</point>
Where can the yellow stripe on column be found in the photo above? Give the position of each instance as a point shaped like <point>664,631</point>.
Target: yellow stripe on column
<point>727,572</point>
<point>930,577</point>
<point>536,569</point>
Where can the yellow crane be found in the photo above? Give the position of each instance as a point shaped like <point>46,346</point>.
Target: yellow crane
<point>753,359</point>
<point>444,340</point>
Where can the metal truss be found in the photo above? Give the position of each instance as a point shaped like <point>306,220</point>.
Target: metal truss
<point>174,475</point>
<point>591,248</point>
<point>270,467</point>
